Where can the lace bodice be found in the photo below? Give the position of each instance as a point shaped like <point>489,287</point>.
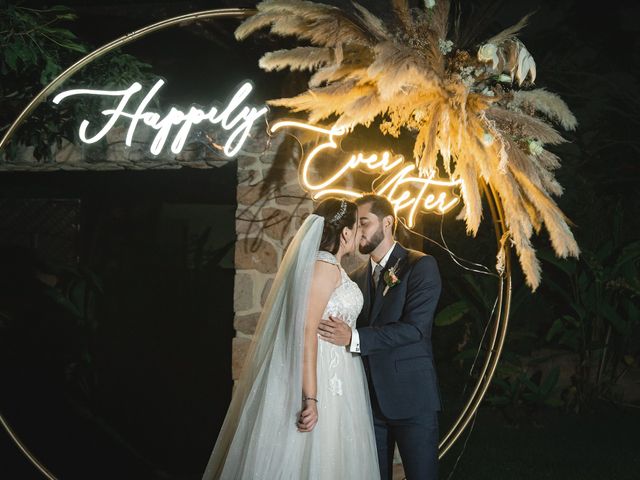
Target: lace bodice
<point>346,300</point>
<point>334,362</point>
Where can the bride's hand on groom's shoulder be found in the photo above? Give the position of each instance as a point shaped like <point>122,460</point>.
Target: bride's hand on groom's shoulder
<point>308,417</point>
<point>335,330</point>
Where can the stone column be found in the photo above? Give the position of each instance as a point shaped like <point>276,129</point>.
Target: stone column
<point>271,207</point>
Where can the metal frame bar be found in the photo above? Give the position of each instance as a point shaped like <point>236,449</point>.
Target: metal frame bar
<point>499,330</point>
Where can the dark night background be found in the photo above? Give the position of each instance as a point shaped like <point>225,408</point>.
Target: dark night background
<point>156,248</point>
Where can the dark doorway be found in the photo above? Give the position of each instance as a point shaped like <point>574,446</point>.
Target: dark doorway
<point>116,344</point>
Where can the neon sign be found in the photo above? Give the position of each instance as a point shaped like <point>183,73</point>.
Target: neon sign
<point>233,117</point>
<point>406,191</point>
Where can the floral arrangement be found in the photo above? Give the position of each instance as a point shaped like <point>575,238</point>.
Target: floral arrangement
<point>475,111</point>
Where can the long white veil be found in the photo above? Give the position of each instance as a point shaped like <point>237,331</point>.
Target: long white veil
<point>257,439</point>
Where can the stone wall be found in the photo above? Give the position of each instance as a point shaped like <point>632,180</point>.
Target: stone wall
<point>111,153</point>
<point>271,207</point>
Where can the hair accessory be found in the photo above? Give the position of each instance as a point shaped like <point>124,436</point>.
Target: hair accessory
<point>338,216</point>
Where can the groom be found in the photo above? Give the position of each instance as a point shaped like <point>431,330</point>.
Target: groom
<point>401,288</point>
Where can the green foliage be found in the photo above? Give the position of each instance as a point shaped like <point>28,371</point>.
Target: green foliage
<point>77,295</point>
<point>519,386</point>
<point>35,47</point>
<point>599,313</point>
<point>30,38</point>
<point>583,320</point>
<point>476,296</point>
<point>451,313</point>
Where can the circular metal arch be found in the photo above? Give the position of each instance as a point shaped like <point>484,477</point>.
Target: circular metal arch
<point>498,331</point>
<point>500,319</point>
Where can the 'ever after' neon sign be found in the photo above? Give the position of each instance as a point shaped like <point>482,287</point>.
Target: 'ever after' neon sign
<point>235,117</point>
<point>407,192</point>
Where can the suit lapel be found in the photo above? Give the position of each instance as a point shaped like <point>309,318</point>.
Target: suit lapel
<point>398,253</point>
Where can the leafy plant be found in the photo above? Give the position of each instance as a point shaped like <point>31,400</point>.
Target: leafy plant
<point>599,294</point>
<point>35,46</point>
<point>77,295</point>
<point>475,304</point>
<point>519,386</point>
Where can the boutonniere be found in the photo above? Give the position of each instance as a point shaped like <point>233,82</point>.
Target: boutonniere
<point>391,278</point>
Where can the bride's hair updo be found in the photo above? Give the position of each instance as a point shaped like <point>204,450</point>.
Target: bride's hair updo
<point>337,213</point>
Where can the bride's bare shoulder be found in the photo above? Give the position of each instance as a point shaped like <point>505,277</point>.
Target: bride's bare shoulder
<point>326,273</point>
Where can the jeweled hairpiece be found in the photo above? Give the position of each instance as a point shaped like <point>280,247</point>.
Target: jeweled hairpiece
<point>338,216</point>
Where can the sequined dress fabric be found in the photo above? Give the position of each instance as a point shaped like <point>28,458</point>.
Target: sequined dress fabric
<point>342,445</point>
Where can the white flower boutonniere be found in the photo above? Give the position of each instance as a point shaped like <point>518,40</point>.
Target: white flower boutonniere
<point>391,278</point>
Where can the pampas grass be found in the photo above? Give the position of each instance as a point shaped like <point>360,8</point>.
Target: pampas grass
<point>547,103</point>
<point>406,74</point>
<point>301,58</point>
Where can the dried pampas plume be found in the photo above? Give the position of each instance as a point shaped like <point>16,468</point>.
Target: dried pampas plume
<point>466,106</point>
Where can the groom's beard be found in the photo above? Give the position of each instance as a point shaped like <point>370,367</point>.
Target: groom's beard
<point>372,243</point>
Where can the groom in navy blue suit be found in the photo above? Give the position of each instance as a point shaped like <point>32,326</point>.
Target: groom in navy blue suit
<point>401,288</point>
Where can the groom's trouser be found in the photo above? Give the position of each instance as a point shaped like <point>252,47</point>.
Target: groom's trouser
<point>417,439</point>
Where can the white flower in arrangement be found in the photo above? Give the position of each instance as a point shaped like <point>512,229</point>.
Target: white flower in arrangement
<point>535,147</point>
<point>509,56</point>
<point>429,3</point>
<point>488,92</point>
<point>489,53</point>
<point>487,139</point>
<point>445,46</point>
<point>504,78</point>
<point>467,76</point>
<point>526,65</point>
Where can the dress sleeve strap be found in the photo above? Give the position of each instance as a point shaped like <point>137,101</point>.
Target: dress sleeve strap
<point>328,257</point>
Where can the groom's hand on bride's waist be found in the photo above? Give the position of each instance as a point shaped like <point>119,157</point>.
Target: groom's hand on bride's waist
<point>334,330</point>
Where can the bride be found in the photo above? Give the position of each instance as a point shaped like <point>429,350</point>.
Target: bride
<point>301,408</point>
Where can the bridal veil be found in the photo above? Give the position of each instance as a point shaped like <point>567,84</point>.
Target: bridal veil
<point>259,438</point>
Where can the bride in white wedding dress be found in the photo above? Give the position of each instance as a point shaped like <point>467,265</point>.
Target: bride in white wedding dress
<point>301,407</point>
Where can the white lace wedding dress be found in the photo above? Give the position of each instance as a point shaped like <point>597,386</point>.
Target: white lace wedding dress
<point>259,439</point>
<point>342,445</point>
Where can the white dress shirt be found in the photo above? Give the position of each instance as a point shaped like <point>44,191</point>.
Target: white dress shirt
<point>354,346</point>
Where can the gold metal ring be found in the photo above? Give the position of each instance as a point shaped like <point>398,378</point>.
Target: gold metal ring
<point>499,329</point>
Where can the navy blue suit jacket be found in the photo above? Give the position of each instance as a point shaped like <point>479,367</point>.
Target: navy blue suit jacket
<point>395,334</point>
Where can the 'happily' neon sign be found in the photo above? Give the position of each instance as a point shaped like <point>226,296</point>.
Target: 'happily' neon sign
<point>404,190</point>
<point>234,117</point>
